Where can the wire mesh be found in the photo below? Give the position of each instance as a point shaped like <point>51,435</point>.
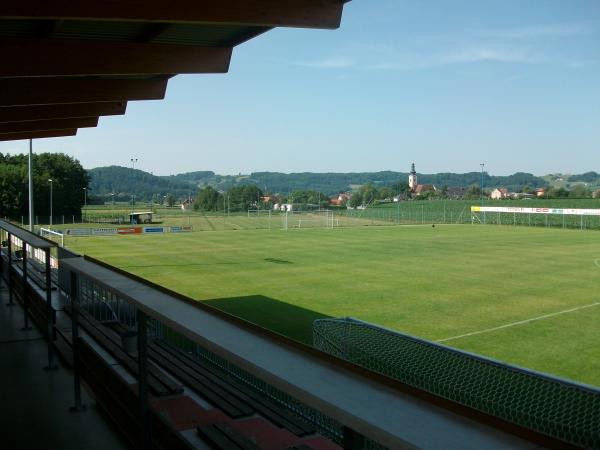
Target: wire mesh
<point>551,406</point>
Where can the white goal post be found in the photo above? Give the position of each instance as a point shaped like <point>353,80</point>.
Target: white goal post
<point>53,235</point>
<point>321,218</point>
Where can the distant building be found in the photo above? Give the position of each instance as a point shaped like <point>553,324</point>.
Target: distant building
<point>187,204</point>
<point>340,199</point>
<point>140,217</point>
<point>422,188</point>
<point>415,188</point>
<point>412,179</point>
<point>283,207</point>
<point>499,194</point>
<point>540,192</point>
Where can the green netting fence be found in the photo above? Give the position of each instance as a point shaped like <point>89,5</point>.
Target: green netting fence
<point>551,406</point>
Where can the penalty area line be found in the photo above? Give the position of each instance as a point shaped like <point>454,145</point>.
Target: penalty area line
<point>520,322</point>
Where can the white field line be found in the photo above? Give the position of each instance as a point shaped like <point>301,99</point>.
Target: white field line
<point>521,322</point>
<point>597,262</point>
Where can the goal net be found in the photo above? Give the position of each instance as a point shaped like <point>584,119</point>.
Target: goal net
<point>55,236</point>
<point>322,218</point>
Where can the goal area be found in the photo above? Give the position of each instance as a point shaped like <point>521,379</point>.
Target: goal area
<point>52,235</point>
<point>321,218</point>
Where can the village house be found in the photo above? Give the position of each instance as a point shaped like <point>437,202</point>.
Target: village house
<point>499,194</point>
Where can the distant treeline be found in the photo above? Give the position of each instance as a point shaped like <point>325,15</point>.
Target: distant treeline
<point>123,182</point>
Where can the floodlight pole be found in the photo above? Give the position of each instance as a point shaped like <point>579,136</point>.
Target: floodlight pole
<point>50,180</point>
<point>133,161</point>
<point>481,191</point>
<point>29,171</point>
<point>84,203</point>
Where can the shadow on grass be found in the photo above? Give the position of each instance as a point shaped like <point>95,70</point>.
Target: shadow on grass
<point>289,320</point>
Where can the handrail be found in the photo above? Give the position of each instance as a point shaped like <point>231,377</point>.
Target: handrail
<point>361,403</point>
<point>27,236</point>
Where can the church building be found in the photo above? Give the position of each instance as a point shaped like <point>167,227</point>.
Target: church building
<point>415,188</point>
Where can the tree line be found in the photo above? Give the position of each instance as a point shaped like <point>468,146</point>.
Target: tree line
<point>68,177</point>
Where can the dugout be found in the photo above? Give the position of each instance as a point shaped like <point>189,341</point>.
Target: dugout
<point>140,217</point>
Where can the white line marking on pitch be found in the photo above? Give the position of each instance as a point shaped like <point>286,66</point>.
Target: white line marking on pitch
<point>597,262</point>
<point>521,322</point>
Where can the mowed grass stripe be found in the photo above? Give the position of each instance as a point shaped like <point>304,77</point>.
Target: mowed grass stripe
<point>430,282</point>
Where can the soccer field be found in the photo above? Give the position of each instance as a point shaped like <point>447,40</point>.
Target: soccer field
<point>528,296</point>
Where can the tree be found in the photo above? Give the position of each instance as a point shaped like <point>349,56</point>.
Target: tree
<point>242,198</point>
<point>69,179</point>
<point>473,193</point>
<point>368,193</point>
<point>356,200</point>
<point>555,192</point>
<point>170,200</point>
<point>579,191</point>
<point>207,199</point>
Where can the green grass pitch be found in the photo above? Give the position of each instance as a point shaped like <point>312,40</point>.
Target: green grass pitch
<point>435,283</point>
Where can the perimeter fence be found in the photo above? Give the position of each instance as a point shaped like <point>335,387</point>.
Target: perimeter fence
<point>549,405</point>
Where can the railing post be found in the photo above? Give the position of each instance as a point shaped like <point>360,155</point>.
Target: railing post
<point>79,406</point>
<point>145,430</point>
<point>26,325</point>
<point>51,334</point>
<point>353,440</point>
<point>9,271</point>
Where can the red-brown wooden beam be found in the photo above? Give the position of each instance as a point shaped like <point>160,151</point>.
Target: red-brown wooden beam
<point>37,135</point>
<point>46,91</point>
<point>62,111</point>
<point>47,125</point>
<point>70,57</point>
<point>269,13</point>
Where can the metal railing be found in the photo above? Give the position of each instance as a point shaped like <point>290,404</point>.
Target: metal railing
<point>32,252</point>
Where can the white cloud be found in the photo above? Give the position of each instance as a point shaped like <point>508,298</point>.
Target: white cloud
<point>330,63</point>
<point>461,56</point>
<point>556,30</point>
<point>490,54</point>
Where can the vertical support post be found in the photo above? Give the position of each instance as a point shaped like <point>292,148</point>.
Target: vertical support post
<point>74,288</point>
<point>145,431</point>
<point>51,334</point>
<point>26,325</point>
<point>353,440</point>
<point>9,271</point>
<point>30,183</point>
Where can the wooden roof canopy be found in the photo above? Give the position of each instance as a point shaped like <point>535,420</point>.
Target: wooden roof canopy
<point>65,63</point>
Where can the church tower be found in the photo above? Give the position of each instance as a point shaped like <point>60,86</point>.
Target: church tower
<point>412,178</point>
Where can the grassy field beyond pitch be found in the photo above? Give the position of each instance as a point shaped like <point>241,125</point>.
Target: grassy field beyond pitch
<point>437,283</point>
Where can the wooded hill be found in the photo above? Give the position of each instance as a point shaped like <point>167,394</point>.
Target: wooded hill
<point>123,181</point>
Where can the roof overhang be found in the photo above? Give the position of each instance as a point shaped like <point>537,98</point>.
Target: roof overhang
<point>65,60</point>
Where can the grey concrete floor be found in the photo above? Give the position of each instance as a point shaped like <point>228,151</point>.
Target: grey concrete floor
<point>34,403</point>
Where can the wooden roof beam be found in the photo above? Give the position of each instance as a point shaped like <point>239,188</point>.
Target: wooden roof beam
<point>47,125</point>
<point>61,111</point>
<point>268,13</point>
<point>37,134</point>
<point>51,57</point>
<point>46,91</point>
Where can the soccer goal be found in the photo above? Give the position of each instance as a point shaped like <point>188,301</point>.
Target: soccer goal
<point>322,218</point>
<point>53,236</point>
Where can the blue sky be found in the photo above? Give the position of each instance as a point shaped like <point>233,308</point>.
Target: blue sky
<point>446,84</point>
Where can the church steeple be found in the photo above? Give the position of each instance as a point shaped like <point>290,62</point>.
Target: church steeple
<point>412,178</point>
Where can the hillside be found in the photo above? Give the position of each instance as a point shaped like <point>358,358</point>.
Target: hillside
<point>123,181</point>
